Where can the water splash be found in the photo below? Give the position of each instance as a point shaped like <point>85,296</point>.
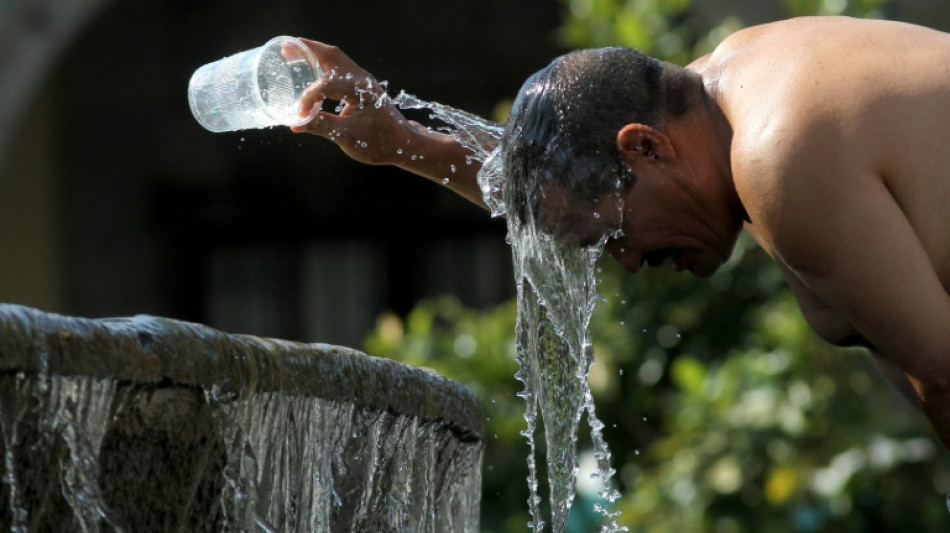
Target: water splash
<point>556,290</point>
<point>473,132</point>
<point>50,417</point>
<point>289,463</point>
<point>148,424</point>
<point>556,296</point>
<point>11,413</point>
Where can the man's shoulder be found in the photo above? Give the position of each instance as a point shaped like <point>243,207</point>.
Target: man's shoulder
<point>789,161</point>
<point>796,183</point>
<point>768,146</point>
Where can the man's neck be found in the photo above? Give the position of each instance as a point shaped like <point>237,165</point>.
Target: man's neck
<point>717,131</point>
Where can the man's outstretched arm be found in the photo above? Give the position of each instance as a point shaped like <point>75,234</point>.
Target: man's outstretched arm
<point>371,130</point>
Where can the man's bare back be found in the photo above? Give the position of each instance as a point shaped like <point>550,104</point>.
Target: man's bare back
<point>876,92</point>
<point>841,157</point>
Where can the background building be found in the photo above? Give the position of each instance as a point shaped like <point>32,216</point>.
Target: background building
<point>113,201</point>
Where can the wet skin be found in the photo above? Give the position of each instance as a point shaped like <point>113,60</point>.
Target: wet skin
<point>682,207</point>
<point>836,164</point>
<point>644,234</point>
<point>826,138</point>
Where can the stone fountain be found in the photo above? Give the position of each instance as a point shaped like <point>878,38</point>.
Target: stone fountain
<point>146,424</point>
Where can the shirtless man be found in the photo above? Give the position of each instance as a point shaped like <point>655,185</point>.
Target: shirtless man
<point>827,139</point>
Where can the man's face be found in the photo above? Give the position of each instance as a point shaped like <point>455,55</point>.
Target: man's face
<point>649,223</point>
<point>578,222</point>
<point>663,223</point>
<point>641,243</point>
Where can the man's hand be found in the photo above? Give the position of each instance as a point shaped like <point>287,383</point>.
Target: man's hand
<point>368,128</point>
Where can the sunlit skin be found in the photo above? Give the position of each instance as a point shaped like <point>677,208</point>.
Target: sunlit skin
<point>668,213</point>
<point>381,135</point>
<point>827,139</point>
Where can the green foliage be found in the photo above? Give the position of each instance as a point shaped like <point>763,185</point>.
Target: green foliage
<point>861,8</point>
<point>724,413</point>
<point>754,424</point>
<point>477,349</point>
<point>661,28</point>
<point>670,30</point>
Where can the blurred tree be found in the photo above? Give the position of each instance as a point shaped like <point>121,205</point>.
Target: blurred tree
<point>724,412</point>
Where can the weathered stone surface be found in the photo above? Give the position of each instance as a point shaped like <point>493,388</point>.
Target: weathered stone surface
<point>146,349</point>
<point>147,424</point>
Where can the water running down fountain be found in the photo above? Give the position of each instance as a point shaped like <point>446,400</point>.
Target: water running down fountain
<point>146,424</point>
<point>556,290</point>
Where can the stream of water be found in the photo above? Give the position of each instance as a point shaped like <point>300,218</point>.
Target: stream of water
<point>121,458</point>
<point>293,463</point>
<point>556,289</point>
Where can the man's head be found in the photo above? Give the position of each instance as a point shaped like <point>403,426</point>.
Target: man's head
<point>581,133</point>
<point>564,124</point>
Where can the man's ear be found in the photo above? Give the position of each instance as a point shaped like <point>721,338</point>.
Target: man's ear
<point>636,141</point>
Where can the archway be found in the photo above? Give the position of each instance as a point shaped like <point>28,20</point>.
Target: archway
<point>32,34</point>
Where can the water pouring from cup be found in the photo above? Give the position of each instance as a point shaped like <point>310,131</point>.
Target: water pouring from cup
<point>257,88</point>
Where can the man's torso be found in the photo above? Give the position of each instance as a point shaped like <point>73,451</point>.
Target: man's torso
<point>870,100</point>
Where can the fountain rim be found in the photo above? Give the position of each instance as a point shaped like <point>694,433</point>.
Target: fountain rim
<point>146,349</point>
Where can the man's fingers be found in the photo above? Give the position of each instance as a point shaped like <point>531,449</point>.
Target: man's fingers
<point>339,88</point>
<point>290,52</point>
<point>343,79</point>
<point>324,124</point>
<point>336,87</point>
<point>312,96</point>
<point>330,57</point>
<point>319,49</point>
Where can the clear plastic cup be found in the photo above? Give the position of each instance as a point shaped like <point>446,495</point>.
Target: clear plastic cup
<point>258,88</point>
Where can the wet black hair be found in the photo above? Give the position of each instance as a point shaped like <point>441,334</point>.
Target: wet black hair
<point>564,122</point>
